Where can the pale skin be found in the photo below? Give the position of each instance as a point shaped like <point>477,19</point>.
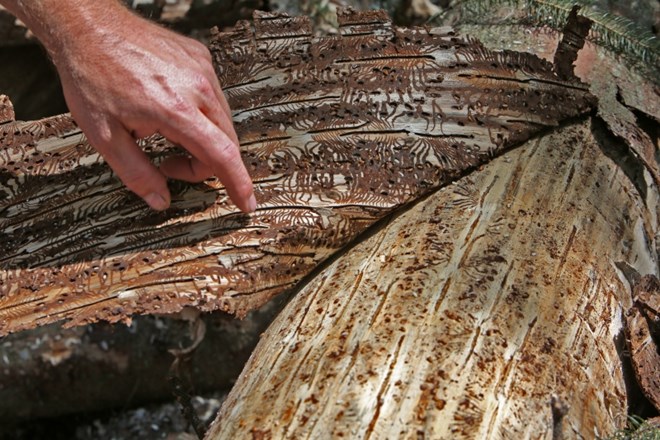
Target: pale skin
<point>125,78</point>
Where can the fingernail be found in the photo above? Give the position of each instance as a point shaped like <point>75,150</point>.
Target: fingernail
<point>156,201</point>
<point>252,204</point>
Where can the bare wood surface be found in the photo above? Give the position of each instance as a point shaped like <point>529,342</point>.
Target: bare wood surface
<point>489,310</point>
<point>337,132</point>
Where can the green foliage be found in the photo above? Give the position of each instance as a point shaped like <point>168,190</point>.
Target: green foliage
<point>616,33</point>
<point>637,429</point>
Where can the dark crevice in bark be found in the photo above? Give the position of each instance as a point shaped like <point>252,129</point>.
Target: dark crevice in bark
<point>638,404</point>
<point>616,149</point>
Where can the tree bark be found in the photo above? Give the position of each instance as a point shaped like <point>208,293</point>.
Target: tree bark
<point>337,132</point>
<point>494,308</point>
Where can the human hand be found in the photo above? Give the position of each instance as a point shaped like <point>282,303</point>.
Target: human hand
<point>127,78</point>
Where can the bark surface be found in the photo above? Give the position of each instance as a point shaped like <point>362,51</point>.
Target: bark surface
<point>337,133</point>
<point>494,308</point>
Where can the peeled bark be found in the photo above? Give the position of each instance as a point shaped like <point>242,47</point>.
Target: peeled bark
<point>492,309</point>
<point>337,132</point>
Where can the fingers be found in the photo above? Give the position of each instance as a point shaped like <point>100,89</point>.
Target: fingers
<point>185,168</point>
<point>216,108</point>
<point>174,92</point>
<point>214,150</point>
<point>133,167</point>
<point>222,118</point>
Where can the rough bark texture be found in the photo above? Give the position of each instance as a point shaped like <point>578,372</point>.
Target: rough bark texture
<point>643,336</point>
<point>337,132</point>
<point>489,310</point>
<point>491,307</point>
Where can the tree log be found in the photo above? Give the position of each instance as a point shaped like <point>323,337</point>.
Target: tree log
<point>529,288</point>
<point>492,309</point>
<point>53,372</point>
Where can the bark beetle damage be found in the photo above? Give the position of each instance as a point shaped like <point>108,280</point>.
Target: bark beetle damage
<point>488,311</point>
<point>336,132</point>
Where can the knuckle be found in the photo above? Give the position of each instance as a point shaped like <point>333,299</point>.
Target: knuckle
<point>202,85</point>
<point>180,108</point>
<point>100,137</point>
<point>227,152</point>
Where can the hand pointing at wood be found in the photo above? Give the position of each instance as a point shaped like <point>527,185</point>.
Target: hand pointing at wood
<point>125,78</point>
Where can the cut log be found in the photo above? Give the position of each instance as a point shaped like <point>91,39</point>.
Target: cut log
<point>53,372</point>
<point>337,132</point>
<point>489,310</point>
<point>493,309</point>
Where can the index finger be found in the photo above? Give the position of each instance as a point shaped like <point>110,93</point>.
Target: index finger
<point>216,108</point>
<point>214,148</point>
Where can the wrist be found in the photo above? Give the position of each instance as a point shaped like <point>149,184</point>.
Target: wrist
<point>75,28</point>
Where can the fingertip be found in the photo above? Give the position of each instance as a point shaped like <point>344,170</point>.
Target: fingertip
<point>157,201</point>
<point>244,201</point>
<point>252,204</point>
<point>240,188</point>
<point>213,153</point>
